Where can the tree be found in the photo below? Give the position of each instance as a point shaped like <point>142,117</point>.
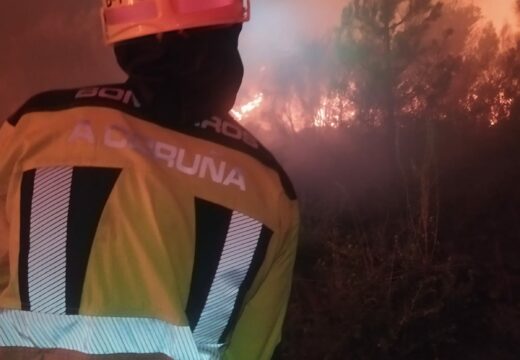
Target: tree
<point>412,66</point>
<point>378,41</point>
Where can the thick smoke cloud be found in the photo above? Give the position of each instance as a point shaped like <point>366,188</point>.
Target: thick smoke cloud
<point>58,43</point>
<point>50,44</point>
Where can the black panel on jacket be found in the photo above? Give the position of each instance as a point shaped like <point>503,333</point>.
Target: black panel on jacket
<point>25,228</point>
<point>212,223</point>
<point>90,190</point>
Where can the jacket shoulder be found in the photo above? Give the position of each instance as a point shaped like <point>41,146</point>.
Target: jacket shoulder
<point>49,101</point>
<point>222,129</point>
<point>225,130</point>
<point>118,96</point>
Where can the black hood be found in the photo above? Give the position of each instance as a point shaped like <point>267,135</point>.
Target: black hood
<point>185,76</point>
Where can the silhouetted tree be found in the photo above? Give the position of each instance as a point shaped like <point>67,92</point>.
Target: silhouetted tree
<point>378,41</point>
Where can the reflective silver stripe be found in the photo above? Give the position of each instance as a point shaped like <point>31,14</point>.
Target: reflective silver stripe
<point>239,248</point>
<point>48,239</point>
<point>96,335</point>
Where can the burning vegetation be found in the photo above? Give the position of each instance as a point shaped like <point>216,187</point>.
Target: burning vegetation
<point>401,130</point>
<point>381,67</point>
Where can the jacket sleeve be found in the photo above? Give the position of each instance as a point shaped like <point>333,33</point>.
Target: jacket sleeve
<point>6,165</point>
<point>259,327</point>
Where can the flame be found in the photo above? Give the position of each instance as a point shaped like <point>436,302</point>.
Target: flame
<point>333,111</point>
<point>501,108</point>
<point>243,111</point>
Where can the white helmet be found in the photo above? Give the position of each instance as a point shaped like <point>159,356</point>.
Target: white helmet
<point>128,19</point>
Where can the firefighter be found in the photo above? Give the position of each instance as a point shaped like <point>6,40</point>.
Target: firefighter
<point>140,220</point>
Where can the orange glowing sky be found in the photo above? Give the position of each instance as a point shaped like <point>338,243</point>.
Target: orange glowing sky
<point>311,18</point>
<point>499,11</point>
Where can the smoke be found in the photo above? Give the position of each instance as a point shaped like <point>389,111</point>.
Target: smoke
<point>47,45</point>
<point>58,43</point>
<point>278,29</point>
<point>501,12</point>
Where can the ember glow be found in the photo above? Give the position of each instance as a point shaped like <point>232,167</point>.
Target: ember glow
<point>501,108</point>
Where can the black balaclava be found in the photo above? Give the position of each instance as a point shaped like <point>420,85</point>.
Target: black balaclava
<point>185,76</point>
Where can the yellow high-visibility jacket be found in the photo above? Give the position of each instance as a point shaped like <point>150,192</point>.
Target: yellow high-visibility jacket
<point>123,234</point>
